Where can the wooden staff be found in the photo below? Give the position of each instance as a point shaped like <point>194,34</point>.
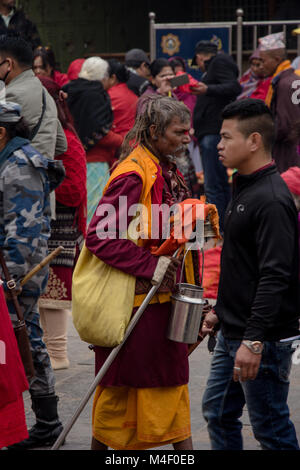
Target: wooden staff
<point>192,347</point>
<point>42,264</point>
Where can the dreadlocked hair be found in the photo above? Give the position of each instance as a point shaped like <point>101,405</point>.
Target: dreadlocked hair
<point>158,111</point>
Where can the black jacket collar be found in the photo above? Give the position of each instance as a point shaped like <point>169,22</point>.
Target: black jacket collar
<point>239,182</point>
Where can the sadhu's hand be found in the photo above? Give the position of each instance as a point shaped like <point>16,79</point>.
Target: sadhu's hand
<point>206,309</point>
<point>170,275</point>
<point>209,323</point>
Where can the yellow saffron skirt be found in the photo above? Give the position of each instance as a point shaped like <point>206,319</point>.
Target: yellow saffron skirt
<point>127,418</point>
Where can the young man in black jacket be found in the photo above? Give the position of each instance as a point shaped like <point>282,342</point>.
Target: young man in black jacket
<point>219,86</point>
<point>257,305</point>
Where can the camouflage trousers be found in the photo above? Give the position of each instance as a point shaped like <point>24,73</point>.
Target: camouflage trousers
<point>43,383</point>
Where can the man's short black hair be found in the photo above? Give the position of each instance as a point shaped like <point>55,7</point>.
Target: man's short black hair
<point>253,116</point>
<point>133,64</point>
<point>12,44</point>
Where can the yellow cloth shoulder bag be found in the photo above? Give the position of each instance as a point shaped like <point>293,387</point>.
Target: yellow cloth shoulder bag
<point>102,300</point>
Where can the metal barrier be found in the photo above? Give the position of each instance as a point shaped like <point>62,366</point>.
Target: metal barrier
<point>239,27</point>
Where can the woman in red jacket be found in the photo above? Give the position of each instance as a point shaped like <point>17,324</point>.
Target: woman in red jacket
<point>123,100</point>
<point>68,230</point>
<point>44,64</point>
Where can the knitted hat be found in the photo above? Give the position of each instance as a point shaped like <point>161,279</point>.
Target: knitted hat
<point>272,41</point>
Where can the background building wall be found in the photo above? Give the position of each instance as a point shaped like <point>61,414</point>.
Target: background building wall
<point>76,28</point>
<point>79,28</point>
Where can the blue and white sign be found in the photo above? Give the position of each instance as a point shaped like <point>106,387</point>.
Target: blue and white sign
<point>181,42</point>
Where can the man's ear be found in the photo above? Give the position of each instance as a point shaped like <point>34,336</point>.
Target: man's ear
<point>10,62</point>
<point>256,141</point>
<point>152,131</point>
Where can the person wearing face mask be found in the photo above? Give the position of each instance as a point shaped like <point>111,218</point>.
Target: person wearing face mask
<point>161,72</point>
<point>90,106</point>
<point>38,108</point>
<point>22,87</point>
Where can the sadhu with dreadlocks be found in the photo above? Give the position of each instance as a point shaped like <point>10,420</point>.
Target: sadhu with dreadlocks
<point>143,399</point>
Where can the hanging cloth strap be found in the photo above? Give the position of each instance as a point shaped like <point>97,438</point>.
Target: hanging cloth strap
<point>35,130</point>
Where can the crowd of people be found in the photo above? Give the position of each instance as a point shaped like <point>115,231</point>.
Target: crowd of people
<point>73,143</point>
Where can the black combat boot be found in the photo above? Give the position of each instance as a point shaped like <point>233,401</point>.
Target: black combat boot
<point>48,426</point>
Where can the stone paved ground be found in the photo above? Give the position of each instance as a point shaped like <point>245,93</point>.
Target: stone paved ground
<point>72,384</point>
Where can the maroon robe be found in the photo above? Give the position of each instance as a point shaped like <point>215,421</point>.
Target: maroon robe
<point>148,358</point>
<point>286,115</point>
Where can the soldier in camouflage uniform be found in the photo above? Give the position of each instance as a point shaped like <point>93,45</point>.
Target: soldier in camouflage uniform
<point>26,180</point>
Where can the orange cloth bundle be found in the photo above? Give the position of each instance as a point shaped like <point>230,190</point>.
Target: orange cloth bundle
<point>211,276</point>
<point>184,222</point>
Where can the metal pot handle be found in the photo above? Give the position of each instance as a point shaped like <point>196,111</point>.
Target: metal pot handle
<point>183,263</point>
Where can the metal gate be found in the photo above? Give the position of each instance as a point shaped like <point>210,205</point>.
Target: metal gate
<point>238,31</point>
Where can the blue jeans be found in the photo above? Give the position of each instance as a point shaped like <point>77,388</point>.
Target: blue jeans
<point>266,398</point>
<point>216,186</point>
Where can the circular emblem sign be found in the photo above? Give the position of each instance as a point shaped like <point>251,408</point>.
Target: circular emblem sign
<point>170,44</point>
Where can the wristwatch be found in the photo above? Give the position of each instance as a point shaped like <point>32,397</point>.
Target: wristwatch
<point>255,346</point>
